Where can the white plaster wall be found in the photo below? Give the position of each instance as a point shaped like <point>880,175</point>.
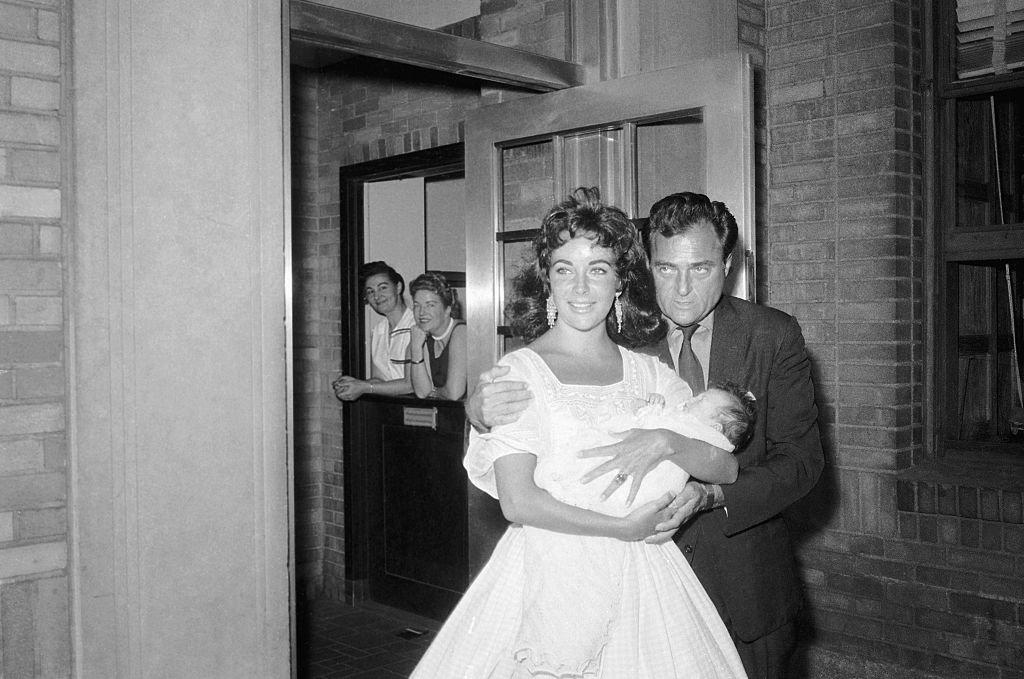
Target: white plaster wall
<point>393,214</point>
<point>178,372</point>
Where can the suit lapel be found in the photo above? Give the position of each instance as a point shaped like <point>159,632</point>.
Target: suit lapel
<point>728,340</point>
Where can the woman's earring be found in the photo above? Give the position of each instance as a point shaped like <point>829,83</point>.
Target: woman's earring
<point>618,313</point>
<point>552,312</point>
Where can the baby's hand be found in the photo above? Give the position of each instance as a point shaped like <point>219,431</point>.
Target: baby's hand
<point>655,399</point>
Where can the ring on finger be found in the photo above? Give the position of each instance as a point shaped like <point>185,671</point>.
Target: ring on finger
<point>620,478</point>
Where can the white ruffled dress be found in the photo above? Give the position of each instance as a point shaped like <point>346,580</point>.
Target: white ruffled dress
<point>554,605</point>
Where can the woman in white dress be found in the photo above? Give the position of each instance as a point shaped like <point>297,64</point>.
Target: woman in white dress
<point>644,614</point>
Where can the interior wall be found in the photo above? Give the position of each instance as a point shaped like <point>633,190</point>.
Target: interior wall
<point>361,111</point>
<point>316,303</point>
<point>446,225</point>
<point>394,214</point>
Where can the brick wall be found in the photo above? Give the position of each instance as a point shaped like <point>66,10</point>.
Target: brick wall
<point>908,574</point>
<point>34,622</point>
<point>309,415</point>
<point>536,26</point>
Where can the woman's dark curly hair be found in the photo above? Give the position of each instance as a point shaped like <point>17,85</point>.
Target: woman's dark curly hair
<point>583,214</point>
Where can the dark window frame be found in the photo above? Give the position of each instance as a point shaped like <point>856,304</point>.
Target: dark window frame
<point>989,243</point>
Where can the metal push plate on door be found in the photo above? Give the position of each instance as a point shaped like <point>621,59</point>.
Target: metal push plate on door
<point>420,417</point>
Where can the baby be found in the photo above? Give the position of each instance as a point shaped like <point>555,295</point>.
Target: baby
<point>722,416</point>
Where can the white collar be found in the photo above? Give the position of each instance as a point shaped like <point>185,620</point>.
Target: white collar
<point>447,331</point>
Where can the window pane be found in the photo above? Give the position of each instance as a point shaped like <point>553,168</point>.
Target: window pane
<point>596,159</point>
<point>527,184</point>
<point>988,405</point>
<point>982,157</point>
<point>528,192</point>
<point>670,158</point>
<point>514,255</point>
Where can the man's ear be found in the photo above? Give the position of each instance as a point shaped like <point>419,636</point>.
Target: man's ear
<point>728,264</point>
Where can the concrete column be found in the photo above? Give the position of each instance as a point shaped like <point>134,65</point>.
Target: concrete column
<point>179,451</point>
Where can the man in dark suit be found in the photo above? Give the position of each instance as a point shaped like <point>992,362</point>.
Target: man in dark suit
<point>734,536</point>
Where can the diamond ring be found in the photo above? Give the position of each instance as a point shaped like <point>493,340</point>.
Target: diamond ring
<point>620,478</point>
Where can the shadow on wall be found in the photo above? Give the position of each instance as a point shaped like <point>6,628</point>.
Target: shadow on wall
<point>809,516</point>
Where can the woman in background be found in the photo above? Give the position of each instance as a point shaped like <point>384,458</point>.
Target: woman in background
<point>384,290</point>
<point>437,348</point>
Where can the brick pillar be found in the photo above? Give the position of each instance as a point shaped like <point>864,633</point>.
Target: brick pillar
<point>845,256</point>
<point>34,624</point>
<point>844,237</point>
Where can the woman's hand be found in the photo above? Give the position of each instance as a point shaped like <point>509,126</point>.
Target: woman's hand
<point>349,388</point>
<point>643,521</point>
<point>638,452</point>
<point>417,338</point>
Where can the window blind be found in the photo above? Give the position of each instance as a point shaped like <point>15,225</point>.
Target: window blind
<point>989,37</point>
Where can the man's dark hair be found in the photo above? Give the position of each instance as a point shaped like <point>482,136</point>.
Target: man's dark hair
<point>678,213</point>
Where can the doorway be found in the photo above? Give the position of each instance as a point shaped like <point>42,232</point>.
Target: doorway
<point>436,175</point>
<point>404,210</point>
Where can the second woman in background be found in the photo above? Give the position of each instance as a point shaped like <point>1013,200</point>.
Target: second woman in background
<point>437,347</point>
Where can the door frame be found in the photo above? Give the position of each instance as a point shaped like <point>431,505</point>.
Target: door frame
<point>434,162</point>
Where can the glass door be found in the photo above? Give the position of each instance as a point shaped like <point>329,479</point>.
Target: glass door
<point>688,128</point>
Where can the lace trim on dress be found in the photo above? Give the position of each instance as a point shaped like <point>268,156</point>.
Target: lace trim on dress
<point>531,664</point>
<point>589,402</point>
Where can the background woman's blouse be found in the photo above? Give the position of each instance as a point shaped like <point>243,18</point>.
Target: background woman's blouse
<point>388,350</point>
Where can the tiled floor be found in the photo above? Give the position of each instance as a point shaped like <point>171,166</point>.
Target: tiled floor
<point>364,641</point>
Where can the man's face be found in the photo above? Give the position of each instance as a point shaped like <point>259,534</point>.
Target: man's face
<point>689,273</point>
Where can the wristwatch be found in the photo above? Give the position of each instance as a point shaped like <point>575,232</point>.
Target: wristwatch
<point>711,497</point>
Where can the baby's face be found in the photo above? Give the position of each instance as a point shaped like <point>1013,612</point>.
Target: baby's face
<point>709,406</point>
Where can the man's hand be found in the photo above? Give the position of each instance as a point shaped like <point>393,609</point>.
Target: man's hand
<point>493,403</point>
<point>637,452</point>
<point>687,503</point>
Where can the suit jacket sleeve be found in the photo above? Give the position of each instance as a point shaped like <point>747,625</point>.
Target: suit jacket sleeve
<point>787,460</point>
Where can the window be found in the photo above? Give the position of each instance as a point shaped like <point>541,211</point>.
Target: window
<point>980,213</point>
